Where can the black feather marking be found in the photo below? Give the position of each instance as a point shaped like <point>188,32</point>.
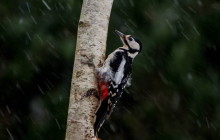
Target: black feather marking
<point>117,61</point>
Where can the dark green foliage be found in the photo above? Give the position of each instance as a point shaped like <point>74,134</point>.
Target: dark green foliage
<point>175,92</point>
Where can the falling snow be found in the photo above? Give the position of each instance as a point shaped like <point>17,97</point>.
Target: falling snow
<point>175,80</point>
<point>48,7</point>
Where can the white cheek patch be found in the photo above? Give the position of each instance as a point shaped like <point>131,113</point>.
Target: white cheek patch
<point>134,45</point>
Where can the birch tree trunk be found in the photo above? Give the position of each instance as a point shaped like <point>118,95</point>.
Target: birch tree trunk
<point>91,43</point>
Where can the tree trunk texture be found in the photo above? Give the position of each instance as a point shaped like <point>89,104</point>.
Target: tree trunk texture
<point>91,43</point>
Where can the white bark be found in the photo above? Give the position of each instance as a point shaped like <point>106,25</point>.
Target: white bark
<point>91,42</point>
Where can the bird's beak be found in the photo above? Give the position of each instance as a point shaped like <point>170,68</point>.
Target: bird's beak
<point>121,35</point>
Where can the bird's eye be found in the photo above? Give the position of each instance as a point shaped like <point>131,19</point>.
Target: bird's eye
<point>130,39</point>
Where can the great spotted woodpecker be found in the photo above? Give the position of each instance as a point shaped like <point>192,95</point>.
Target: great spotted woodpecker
<point>114,76</point>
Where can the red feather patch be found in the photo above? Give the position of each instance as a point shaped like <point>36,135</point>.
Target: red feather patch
<point>104,88</point>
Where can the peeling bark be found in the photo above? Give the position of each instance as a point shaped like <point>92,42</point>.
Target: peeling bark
<point>91,43</point>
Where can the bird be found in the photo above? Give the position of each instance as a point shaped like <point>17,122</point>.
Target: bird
<point>114,76</point>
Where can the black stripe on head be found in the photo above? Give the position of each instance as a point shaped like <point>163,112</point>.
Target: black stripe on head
<point>130,49</point>
<point>125,41</point>
<point>139,42</point>
<point>133,50</point>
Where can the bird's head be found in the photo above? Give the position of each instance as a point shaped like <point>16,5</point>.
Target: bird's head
<point>130,43</point>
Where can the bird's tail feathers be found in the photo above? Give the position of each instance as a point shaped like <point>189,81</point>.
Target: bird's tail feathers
<point>100,116</point>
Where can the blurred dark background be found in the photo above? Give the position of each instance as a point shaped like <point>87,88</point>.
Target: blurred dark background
<point>175,92</point>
